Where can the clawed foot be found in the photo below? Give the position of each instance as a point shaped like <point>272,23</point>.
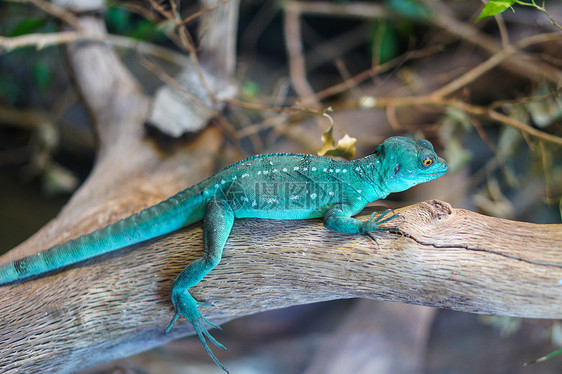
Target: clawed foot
<point>186,305</point>
<point>373,223</point>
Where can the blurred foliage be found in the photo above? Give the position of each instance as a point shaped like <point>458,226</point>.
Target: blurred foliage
<point>454,126</point>
<point>124,22</point>
<point>413,10</point>
<point>21,19</point>
<point>17,20</point>
<point>26,26</point>
<point>250,90</point>
<point>384,41</point>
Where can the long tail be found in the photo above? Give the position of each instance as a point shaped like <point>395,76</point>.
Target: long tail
<point>178,211</point>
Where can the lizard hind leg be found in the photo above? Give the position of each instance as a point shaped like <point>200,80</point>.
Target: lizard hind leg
<point>219,218</point>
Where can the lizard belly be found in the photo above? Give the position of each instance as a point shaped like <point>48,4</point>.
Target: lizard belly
<point>279,213</point>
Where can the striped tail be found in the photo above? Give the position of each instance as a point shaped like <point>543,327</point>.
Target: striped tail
<point>178,211</point>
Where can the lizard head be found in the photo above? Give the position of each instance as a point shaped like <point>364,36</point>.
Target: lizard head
<point>403,163</point>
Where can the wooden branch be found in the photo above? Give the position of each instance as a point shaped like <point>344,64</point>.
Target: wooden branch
<point>118,304</point>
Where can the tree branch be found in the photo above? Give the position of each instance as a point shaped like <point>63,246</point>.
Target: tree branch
<point>118,304</point>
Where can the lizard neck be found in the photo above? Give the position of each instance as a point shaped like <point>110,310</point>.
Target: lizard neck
<point>371,177</point>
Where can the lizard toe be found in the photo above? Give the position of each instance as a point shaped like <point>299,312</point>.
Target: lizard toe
<point>186,305</point>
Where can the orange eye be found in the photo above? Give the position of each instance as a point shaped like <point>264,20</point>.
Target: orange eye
<point>427,162</point>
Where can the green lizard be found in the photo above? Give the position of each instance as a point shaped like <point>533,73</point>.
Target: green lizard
<point>275,186</point>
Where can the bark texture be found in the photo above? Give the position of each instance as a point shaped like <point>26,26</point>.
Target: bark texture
<point>118,304</point>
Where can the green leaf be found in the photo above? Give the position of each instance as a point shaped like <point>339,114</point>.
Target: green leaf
<point>119,20</point>
<point>494,7</point>
<point>42,75</point>
<point>27,26</point>
<point>250,89</point>
<point>384,40</point>
<point>410,9</point>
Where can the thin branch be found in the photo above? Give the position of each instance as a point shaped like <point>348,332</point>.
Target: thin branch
<point>502,118</point>
<point>187,42</point>
<point>531,99</point>
<point>295,50</point>
<point>541,9</point>
<point>503,30</point>
<point>431,100</point>
<point>44,40</point>
<point>494,61</point>
<point>467,32</point>
<point>24,118</point>
<point>201,12</point>
<point>170,81</point>
<point>355,9</point>
<point>373,71</point>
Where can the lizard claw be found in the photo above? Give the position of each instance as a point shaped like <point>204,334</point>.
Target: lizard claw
<point>186,305</point>
<point>373,223</point>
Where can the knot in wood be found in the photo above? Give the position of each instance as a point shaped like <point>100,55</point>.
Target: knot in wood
<point>439,209</point>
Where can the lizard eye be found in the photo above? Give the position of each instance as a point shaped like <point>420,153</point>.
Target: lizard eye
<point>427,162</point>
<point>396,168</point>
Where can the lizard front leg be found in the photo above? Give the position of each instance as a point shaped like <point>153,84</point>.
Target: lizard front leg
<point>338,218</point>
<point>217,224</point>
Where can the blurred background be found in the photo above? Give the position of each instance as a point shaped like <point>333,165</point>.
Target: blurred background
<point>486,93</point>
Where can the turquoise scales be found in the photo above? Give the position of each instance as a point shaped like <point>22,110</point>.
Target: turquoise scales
<point>276,186</point>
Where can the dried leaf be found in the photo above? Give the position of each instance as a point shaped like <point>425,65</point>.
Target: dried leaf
<point>344,149</point>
